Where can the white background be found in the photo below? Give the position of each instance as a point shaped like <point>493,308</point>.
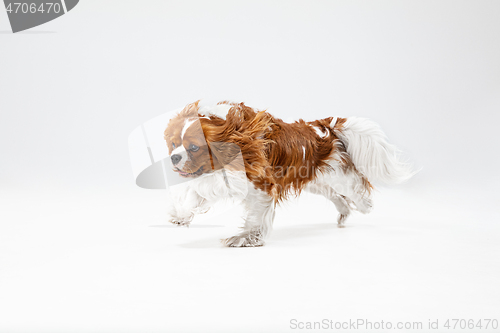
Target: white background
<point>83,250</point>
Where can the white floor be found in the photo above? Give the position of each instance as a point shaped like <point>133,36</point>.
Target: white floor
<point>108,262</point>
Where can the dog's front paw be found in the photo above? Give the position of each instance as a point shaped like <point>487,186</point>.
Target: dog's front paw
<point>180,221</point>
<point>245,239</point>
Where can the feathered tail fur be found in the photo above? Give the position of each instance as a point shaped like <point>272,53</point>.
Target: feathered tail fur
<point>378,160</point>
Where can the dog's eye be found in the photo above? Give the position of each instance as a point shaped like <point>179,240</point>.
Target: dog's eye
<point>193,147</point>
<point>173,145</point>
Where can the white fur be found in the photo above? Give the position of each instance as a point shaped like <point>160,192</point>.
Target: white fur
<point>344,189</point>
<point>372,155</point>
<point>187,124</point>
<point>259,219</point>
<point>319,132</point>
<point>199,194</point>
<point>219,110</point>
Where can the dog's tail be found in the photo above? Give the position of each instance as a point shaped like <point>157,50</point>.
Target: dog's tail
<point>372,155</point>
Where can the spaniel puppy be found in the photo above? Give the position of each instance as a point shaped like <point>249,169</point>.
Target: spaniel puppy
<point>339,158</point>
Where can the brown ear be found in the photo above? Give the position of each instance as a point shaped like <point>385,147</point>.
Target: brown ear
<point>191,110</point>
<point>226,155</point>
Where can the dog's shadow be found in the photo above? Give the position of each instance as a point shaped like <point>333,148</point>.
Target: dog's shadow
<point>194,226</point>
<point>281,235</point>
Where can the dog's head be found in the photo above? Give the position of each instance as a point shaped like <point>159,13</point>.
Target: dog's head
<point>187,145</point>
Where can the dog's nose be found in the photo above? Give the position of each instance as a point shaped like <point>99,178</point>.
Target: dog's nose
<point>175,159</point>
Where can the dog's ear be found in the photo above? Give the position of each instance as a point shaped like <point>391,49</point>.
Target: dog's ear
<point>191,110</point>
<point>225,154</point>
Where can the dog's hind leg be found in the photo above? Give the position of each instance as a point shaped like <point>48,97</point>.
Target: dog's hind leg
<point>340,202</point>
<point>354,189</point>
<point>343,207</point>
